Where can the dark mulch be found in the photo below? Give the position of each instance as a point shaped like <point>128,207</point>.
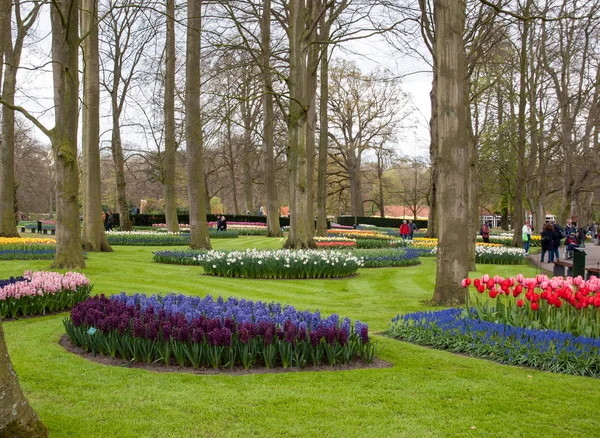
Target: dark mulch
<point>66,343</point>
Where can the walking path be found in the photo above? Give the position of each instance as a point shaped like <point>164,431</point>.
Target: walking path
<point>592,258</point>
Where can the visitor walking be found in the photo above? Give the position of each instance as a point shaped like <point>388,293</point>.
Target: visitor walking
<point>412,227</point>
<point>223,223</point>
<point>109,221</point>
<point>526,237</point>
<point>219,223</point>
<point>404,230</point>
<point>548,236</point>
<point>560,234</point>
<point>485,232</point>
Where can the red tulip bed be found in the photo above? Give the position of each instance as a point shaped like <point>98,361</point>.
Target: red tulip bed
<point>550,324</point>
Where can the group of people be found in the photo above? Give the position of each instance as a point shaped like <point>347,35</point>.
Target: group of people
<point>221,224</point>
<point>107,219</point>
<point>552,235</point>
<point>407,229</point>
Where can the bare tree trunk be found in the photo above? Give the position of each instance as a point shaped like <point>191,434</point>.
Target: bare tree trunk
<point>518,216</point>
<point>323,132</point>
<point>94,237</point>
<point>8,226</point>
<point>453,154</point>
<point>12,57</point>
<point>231,162</point>
<point>193,131</point>
<point>433,159</point>
<point>170,162</point>
<point>310,92</point>
<point>301,236</point>
<point>17,417</point>
<point>273,224</point>
<point>119,162</point>
<point>65,67</point>
<point>247,148</point>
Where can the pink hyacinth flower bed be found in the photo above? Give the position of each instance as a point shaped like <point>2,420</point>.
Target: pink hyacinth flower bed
<point>42,292</point>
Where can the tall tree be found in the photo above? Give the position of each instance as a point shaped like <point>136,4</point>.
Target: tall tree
<point>65,68</point>
<point>125,38</point>
<point>452,97</point>
<point>12,59</point>
<point>94,237</point>
<point>268,138</point>
<point>65,63</point>
<point>193,130</point>
<point>301,235</point>
<point>170,195</point>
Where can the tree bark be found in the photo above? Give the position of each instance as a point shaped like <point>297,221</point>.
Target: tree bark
<point>325,27</point>
<point>8,226</point>
<point>170,162</point>
<point>94,237</point>
<point>17,417</point>
<point>453,152</point>
<point>300,236</point>
<point>273,212</point>
<point>193,131</point>
<point>246,113</point>
<point>65,64</point>
<point>433,159</point>
<point>518,213</point>
<point>310,92</point>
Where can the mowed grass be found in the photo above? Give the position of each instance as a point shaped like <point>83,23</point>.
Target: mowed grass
<point>425,393</point>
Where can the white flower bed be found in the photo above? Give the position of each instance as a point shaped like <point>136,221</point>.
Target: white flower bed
<point>284,263</point>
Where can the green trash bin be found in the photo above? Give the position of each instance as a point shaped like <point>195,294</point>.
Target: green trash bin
<point>579,262</point>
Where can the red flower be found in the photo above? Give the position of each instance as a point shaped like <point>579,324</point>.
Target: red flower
<point>481,288</point>
<point>534,306</point>
<point>520,303</point>
<point>493,293</point>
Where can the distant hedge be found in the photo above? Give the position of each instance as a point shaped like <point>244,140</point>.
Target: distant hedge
<point>377,221</point>
<point>146,220</point>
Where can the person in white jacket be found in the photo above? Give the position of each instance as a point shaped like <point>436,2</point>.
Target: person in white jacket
<point>526,237</point>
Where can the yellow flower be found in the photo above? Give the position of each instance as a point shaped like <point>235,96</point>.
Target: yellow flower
<point>25,241</point>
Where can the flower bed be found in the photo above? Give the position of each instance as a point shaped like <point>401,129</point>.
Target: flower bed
<point>41,292</point>
<point>547,350</point>
<point>505,239</point>
<point>245,228</point>
<point>17,248</point>
<point>568,305</point>
<point>359,234</point>
<point>498,255</point>
<point>283,263</point>
<point>378,243</point>
<point>143,238</point>
<point>334,242</point>
<point>208,333</point>
<point>189,257</point>
<point>380,258</point>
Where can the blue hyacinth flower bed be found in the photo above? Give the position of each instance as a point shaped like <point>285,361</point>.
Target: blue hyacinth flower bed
<point>175,257</point>
<point>27,254</point>
<point>453,330</point>
<point>204,332</point>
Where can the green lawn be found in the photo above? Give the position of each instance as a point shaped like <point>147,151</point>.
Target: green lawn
<point>425,393</point>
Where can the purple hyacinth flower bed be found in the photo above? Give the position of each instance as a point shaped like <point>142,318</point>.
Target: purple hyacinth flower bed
<point>221,333</point>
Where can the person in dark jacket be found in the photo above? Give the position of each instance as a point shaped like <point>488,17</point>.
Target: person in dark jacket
<point>559,234</point>
<point>219,223</point>
<point>548,238</point>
